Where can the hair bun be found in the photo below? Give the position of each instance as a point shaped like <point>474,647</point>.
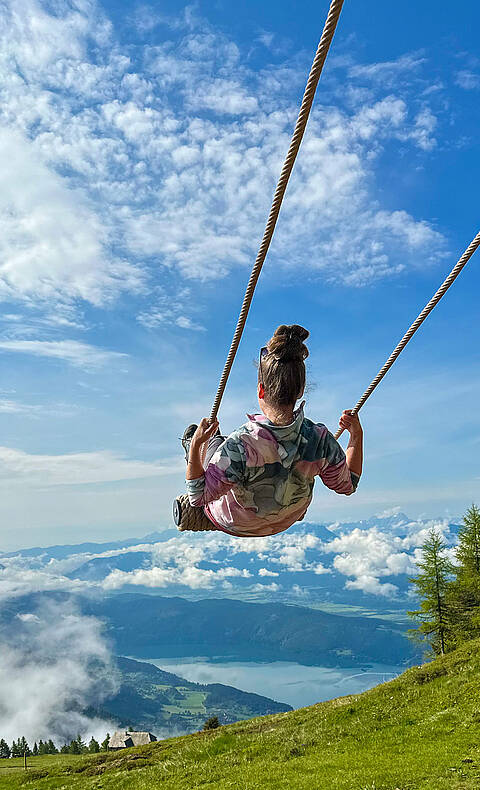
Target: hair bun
<point>287,343</point>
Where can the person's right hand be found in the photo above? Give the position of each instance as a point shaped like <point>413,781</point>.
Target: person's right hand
<point>350,422</point>
<point>204,432</point>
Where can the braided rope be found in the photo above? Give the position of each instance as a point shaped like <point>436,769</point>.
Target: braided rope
<point>307,101</point>
<point>416,324</point>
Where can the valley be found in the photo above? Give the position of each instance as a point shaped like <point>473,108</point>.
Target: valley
<point>164,703</point>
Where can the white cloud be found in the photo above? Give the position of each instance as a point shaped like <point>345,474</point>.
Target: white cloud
<point>14,407</point>
<point>28,618</point>
<point>17,580</point>
<point>388,70</point>
<point>53,246</point>
<point>371,585</point>
<point>290,551</point>
<point>370,557</point>
<point>225,97</point>
<point>468,80</point>
<point>142,162</point>
<point>371,554</point>
<point>319,569</point>
<point>76,468</point>
<point>266,572</point>
<point>425,124</point>
<point>181,311</point>
<point>75,353</point>
<point>55,663</point>
<point>36,410</point>
<point>193,577</point>
<point>299,591</point>
<point>273,587</point>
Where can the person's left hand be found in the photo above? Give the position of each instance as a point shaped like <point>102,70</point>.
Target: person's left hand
<point>204,432</point>
<point>350,422</point>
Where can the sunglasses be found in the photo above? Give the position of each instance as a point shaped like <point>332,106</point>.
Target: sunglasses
<point>262,355</point>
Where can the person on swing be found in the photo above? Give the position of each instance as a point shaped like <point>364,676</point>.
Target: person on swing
<point>259,480</point>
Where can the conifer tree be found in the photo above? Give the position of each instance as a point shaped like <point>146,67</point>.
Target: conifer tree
<point>51,748</point>
<point>93,745</point>
<point>35,749</point>
<point>468,551</point>
<point>20,747</point>
<point>434,615</point>
<point>465,590</point>
<point>81,744</point>
<point>104,744</point>
<point>211,723</point>
<point>4,750</point>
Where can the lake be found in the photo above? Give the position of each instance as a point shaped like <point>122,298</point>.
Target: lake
<point>283,681</point>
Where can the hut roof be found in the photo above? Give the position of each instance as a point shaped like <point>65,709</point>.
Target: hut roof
<point>120,740</point>
<point>123,740</point>
<point>141,738</point>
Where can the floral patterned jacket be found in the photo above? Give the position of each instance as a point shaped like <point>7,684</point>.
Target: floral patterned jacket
<point>260,480</point>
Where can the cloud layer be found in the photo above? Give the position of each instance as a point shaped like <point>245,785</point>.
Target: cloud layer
<point>77,468</point>
<point>55,663</point>
<point>157,162</point>
<point>343,563</point>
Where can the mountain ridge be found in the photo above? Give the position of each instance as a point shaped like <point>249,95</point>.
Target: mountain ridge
<point>253,631</point>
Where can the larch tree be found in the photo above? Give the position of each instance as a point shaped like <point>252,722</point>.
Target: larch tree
<point>432,586</point>
<point>464,594</point>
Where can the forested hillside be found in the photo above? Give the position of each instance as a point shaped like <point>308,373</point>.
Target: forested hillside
<point>148,627</point>
<point>151,699</point>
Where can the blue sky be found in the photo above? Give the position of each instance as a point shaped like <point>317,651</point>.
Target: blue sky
<point>140,146</point>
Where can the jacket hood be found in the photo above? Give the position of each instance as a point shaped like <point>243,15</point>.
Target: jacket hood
<point>283,433</point>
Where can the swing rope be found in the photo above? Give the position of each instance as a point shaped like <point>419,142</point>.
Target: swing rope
<point>307,101</point>
<point>187,517</point>
<point>417,323</point>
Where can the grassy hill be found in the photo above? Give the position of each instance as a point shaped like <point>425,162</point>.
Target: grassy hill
<point>418,732</point>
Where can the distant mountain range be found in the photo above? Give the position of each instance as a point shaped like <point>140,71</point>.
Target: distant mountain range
<point>152,626</point>
<point>166,704</point>
<point>364,564</point>
<point>62,551</point>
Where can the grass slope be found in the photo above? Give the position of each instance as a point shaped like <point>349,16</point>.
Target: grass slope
<point>418,732</point>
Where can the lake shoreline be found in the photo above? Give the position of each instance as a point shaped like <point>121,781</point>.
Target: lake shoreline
<point>289,682</point>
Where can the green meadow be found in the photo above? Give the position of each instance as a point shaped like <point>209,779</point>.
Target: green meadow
<point>420,731</point>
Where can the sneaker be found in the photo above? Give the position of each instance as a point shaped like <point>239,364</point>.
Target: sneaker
<point>187,438</point>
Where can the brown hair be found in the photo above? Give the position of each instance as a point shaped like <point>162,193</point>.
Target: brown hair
<point>283,368</point>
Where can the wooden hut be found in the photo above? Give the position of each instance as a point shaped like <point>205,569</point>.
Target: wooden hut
<point>124,740</point>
